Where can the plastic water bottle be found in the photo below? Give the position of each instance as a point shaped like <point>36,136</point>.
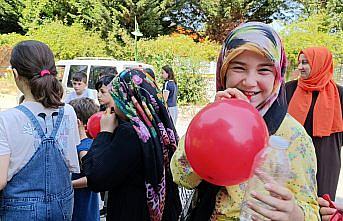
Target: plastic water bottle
<point>272,162</point>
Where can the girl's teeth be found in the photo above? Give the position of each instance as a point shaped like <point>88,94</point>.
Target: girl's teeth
<point>249,93</point>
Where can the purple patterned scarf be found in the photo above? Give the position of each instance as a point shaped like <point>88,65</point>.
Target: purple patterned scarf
<point>137,96</point>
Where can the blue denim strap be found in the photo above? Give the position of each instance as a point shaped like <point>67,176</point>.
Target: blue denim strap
<point>33,120</point>
<point>36,124</point>
<point>58,122</point>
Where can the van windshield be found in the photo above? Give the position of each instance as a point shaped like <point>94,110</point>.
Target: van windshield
<point>97,71</point>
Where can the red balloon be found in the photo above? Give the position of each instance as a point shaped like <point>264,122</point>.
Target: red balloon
<point>93,124</point>
<point>223,139</point>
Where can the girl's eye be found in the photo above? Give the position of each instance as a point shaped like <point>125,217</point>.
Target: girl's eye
<point>303,62</point>
<point>265,71</point>
<point>237,68</point>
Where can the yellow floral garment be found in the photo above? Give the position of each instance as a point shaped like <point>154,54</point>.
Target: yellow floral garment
<point>302,182</point>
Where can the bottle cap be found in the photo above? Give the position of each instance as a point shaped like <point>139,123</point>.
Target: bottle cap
<point>278,142</point>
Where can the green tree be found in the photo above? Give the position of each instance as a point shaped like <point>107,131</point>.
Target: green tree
<point>217,17</point>
<point>10,12</point>
<point>87,12</point>
<point>113,20</point>
<point>150,15</point>
<point>311,31</point>
<point>100,14</point>
<point>66,42</point>
<point>333,9</point>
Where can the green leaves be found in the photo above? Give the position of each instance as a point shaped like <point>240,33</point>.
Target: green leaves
<point>10,12</point>
<point>192,89</point>
<point>66,42</point>
<point>177,48</point>
<point>186,57</point>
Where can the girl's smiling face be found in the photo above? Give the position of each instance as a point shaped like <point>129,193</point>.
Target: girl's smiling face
<point>253,74</point>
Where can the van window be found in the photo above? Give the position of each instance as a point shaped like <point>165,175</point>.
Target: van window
<point>97,71</point>
<point>75,69</point>
<point>60,72</point>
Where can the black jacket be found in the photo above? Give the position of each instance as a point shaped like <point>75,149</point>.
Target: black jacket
<point>115,164</point>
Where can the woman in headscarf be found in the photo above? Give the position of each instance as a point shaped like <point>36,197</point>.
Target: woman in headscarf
<point>251,67</point>
<point>316,101</point>
<point>130,156</point>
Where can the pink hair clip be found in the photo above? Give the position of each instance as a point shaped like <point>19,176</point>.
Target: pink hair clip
<point>44,72</point>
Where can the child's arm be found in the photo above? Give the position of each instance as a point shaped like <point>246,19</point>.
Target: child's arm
<point>165,95</point>
<point>5,153</point>
<point>82,154</point>
<point>4,163</point>
<point>165,92</point>
<point>80,183</point>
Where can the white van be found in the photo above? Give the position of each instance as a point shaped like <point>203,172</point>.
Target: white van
<point>93,67</point>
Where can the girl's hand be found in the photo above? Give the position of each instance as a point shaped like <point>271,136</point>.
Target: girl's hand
<point>80,183</point>
<point>108,121</point>
<point>281,200</point>
<point>230,93</point>
<point>325,211</point>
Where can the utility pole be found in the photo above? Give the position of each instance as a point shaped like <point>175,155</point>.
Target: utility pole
<point>136,33</point>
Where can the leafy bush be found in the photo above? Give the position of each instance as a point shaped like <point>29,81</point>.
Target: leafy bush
<point>192,89</point>
<point>66,42</point>
<point>11,39</point>
<point>176,49</point>
<point>185,57</point>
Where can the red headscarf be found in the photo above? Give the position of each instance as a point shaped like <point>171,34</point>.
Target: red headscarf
<point>327,113</point>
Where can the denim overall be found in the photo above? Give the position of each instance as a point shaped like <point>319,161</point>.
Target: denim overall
<point>42,189</point>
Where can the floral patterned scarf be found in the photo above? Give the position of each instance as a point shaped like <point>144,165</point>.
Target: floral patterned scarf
<point>137,96</point>
<point>263,37</point>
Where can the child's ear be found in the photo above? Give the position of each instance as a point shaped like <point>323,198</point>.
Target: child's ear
<point>15,72</point>
<point>79,122</point>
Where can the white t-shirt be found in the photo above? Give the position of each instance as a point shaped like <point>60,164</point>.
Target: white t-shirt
<point>19,139</point>
<point>86,93</point>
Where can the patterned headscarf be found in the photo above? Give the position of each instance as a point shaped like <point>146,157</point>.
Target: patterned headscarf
<point>265,39</point>
<point>137,96</point>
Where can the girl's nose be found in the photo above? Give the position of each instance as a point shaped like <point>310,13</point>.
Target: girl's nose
<point>250,79</point>
<point>300,67</point>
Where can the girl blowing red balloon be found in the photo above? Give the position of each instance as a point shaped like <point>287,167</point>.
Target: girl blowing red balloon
<point>252,65</point>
